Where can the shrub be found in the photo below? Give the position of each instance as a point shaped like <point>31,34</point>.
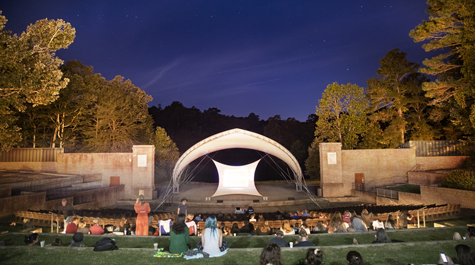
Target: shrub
<point>460,179</point>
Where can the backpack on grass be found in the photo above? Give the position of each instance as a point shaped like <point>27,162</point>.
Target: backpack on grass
<point>105,244</point>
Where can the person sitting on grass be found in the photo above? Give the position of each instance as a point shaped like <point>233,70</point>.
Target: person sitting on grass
<point>179,236</point>
<point>270,255</point>
<point>381,237</point>
<point>469,235</point>
<point>354,258</point>
<point>72,227</point>
<point>32,240</point>
<point>465,256</point>
<point>314,257</point>
<point>77,240</point>
<point>304,239</point>
<point>96,229</point>
<point>279,239</point>
<point>212,239</point>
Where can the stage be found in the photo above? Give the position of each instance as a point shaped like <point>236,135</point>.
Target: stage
<point>276,196</point>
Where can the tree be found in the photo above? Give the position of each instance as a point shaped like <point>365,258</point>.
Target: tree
<point>29,71</point>
<point>451,28</point>
<point>312,164</point>
<point>120,117</point>
<point>396,87</point>
<point>166,153</point>
<point>341,114</point>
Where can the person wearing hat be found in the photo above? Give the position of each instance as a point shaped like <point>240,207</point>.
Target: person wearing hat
<point>279,239</point>
<point>96,229</point>
<point>142,209</point>
<point>182,208</point>
<point>68,212</point>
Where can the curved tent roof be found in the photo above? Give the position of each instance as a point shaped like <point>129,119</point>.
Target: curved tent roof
<point>236,138</point>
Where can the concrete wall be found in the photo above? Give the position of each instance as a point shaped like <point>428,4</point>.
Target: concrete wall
<point>5,192</point>
<point>425,178</point>
<point>9,205</point>
<point>439,162</point>
<point>30,166</point>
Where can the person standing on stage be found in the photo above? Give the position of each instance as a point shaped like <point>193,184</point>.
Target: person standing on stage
<point>142,209</point>
<point>182,208</point>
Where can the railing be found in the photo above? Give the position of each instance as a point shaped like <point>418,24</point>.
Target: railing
<point>437,148</point>
<point>391,194</point>
<point>31,155</point>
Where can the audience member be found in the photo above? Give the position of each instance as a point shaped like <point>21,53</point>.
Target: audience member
<point>336,224</point>
<point>247,228</point>
<point>367,218</point>
<point>142,209</point>
<point>77,240</point>
<point>250,210</point>
<point>191,224</point>
<point>82,228</point>
<point>295,216</point>
<point>357,225</point>
<point>179,236</point>
<point>354,258</point>
<point>27,224</point>
<point>32,240</point>
<point>304,239</point>
<point>287,229</point>
<point>305,214</point>
<point>390,223</point>
<point>469,235</point>
<point>314,257</point>
<point>227,231</point>
<point>252,218</point>
<point>279,239</point>
<point>465,256</point>
<point>72,227</point>
<point>270,255</point>
<point>96,229</point>
<point>198,218</point>
<point>264,229</point>
<point>346,216</point>
<point>235,229</point>
<point>305,227</point>
<point>212,239</point>
<point>380,237</point>
<point>124,225</point>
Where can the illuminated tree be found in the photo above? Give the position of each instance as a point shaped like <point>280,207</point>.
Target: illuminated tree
<point>29,71</point>
<point>166,154</point>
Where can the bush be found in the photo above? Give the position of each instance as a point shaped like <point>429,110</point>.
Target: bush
<point>460,179</point>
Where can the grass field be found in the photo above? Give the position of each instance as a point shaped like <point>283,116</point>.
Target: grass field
<point>421,246</point>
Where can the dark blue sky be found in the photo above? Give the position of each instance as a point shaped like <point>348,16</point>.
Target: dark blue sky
<point>267,57</point>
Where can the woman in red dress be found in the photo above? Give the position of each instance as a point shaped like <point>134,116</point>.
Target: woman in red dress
<point>142,209</point>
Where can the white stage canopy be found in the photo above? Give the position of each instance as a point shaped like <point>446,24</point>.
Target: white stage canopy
<point>236,179</point>
<point>236,138</point>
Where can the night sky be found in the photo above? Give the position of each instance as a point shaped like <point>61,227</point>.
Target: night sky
<point>267,57</point>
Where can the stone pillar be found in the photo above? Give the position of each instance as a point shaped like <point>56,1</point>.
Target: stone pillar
<point>143,171</point>
<point>331,174</point>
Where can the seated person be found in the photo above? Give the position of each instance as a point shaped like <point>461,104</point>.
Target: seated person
<point>346,216</point>
<point>469,235</point>
<point>227,231</point>
<point>252,218</point>
<point>320,227</point>
<point>198,218</point>
<point>390,223</point>
<point>179,236</point>
<point>72,227</point>
<point>32,240</point>
<point>82,228</point>
<point>264,229</point>
<point>295,216</point>
<point>381,237</point>
<point>367,218</point>
<point>465,256</point>
<point>250,210</point>
<point>303,239</point>
<point>270,255</point>
<point>235,229</point>
<point>305,214</point>
<point>191,224</point>
<point>287,230</point>
<point>337,225</point>
<point>247,228</point>
<point>354,258</point>
<point>357,225</point>
<point>27,224</point>
<point>305,227</point>
<point>314,257</point>
<point>124,225</point>
<point>96,229</point>
<point>77,240</point>
<point>212,239</point>
<point>279,239</point>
